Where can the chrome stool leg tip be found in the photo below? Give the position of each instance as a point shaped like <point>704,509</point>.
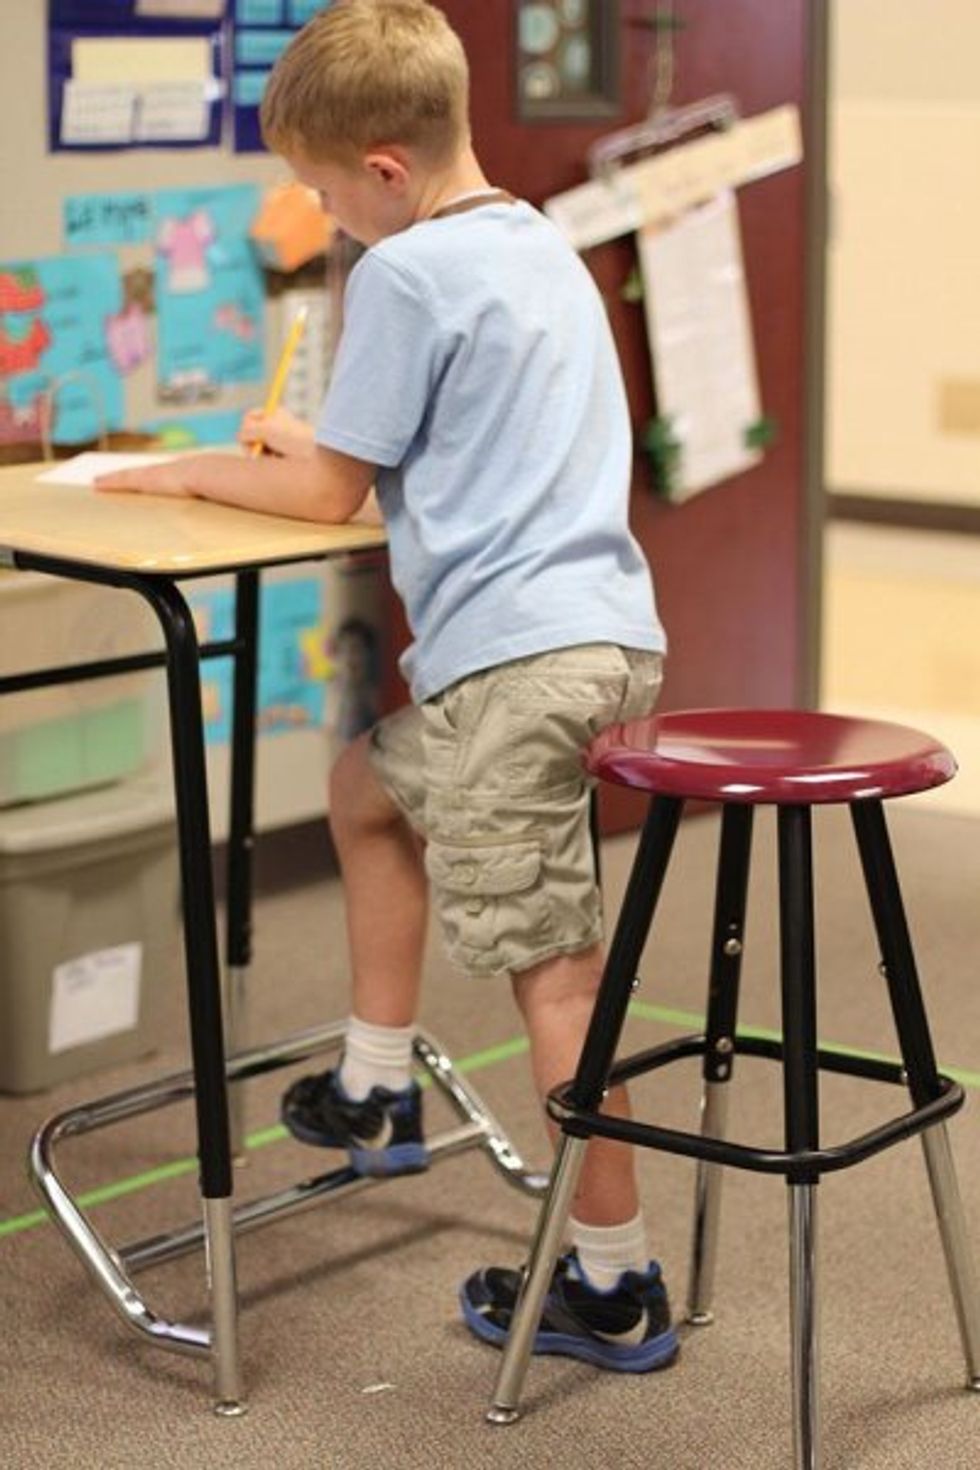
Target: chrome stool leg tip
<point>973,1384</point>
<point>230,1408</point>
<point>700,1319</point>
<point>498,1414</point>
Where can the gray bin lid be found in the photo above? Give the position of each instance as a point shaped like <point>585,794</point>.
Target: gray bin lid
<point>92,816</point>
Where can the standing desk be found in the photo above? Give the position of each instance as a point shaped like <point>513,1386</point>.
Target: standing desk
<point>147,545</point>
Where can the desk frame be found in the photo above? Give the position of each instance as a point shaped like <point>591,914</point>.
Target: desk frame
<point>206,1082</point>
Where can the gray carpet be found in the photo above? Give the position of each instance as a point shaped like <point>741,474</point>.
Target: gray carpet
<point>353,1352</point>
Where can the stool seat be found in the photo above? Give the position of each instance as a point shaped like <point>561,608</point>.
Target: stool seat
<point>798,757</point>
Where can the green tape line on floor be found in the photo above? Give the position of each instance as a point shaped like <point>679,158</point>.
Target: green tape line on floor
<point>687,1021</point>
<point>475,1062</point>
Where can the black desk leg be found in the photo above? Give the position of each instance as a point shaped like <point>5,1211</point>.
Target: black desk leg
<point>203,980</point>
<point>238,932</point>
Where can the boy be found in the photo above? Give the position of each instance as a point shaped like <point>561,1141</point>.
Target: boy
<point>477,386</point>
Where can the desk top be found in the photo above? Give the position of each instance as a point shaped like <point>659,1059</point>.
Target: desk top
<point>155,533</point>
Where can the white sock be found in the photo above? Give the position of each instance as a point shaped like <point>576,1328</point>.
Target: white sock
<point>375,1056</point>
<point>606,1251</point>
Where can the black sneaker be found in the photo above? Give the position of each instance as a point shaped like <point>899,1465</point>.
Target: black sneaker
<point>382,1134</point>
<point>626,1329</point>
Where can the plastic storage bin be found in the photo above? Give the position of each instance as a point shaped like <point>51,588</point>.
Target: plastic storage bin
<point>88,927</point>
<point>73,736</point>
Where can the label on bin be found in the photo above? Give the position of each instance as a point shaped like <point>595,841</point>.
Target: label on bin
<point>94,996</point>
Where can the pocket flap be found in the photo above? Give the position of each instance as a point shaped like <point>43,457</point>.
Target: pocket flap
<point>487,871</point>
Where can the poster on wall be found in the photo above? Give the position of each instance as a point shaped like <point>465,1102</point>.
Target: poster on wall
<point>56,364</point>
<point>210,295</point>
<point>291,688</point>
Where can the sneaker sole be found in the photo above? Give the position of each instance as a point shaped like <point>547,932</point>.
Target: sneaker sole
<point>658,1352</point>
<point>401,1158</point>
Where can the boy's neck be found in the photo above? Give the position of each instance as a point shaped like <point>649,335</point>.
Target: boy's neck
<point>463,176</point>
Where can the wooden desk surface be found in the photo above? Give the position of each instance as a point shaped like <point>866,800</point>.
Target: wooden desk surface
<point>151,533</point>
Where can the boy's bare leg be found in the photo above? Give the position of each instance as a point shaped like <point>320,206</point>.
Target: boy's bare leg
<point>385,891</point>
<point>556,999</point>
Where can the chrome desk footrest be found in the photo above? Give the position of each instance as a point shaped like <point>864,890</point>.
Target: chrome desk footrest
<point>110,1266</point>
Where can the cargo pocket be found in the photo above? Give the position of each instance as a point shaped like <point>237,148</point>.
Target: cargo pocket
<point>490,901</point>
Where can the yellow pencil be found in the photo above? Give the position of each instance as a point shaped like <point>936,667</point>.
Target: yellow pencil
<point>282,370</point>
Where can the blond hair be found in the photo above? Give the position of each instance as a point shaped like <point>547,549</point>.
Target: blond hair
<point>367,72</point>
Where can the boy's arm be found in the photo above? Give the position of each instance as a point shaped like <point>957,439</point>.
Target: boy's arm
<point>325,486</point>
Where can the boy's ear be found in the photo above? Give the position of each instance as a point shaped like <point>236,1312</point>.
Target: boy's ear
<point>390,165</point>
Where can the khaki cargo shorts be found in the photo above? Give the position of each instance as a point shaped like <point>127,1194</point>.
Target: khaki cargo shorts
<point>489,772</point>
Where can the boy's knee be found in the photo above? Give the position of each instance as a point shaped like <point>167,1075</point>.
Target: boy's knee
<point>565,980</point>
<point>357,798</point>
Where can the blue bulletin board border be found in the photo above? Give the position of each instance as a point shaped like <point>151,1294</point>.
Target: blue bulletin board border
<point>261,30</point>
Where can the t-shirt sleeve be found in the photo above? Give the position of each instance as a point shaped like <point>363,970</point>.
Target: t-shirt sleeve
<point>385,367</point>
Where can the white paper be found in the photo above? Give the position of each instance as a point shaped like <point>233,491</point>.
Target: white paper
<point>173,111</point>
<point>701,341</point>
<point>83,469</point>
<point>94,996</point>
<point>97,113</point>
<point>140,61</point>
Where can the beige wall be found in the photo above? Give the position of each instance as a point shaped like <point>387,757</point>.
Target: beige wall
<point>901,614</point>
<point>903,283</point>
<point>901,608</point>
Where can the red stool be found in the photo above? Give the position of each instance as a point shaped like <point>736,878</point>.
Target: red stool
<point>793,760</point>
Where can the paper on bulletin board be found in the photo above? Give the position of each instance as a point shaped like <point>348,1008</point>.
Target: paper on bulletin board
<point>54,349</point>
<point>170,80</point>
<point>107,219</point>
<point>210,294</point>
<point>139,61</point>
<point>275,12</point>
<point>700,336</point>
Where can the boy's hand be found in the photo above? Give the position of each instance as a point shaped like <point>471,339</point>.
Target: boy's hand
<point>280,432</point>
<point>323,485</point>
<point>173,478</point>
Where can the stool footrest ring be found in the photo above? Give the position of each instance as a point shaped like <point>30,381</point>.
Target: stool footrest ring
<point>799,1166</point>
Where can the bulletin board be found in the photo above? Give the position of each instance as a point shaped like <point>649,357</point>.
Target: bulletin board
<point>158,287</point>
<point>135,73</point>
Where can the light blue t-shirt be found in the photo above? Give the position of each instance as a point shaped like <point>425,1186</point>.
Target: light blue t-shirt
<point>477,369</point>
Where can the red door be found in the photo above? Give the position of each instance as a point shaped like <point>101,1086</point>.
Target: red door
<point>729,563</point>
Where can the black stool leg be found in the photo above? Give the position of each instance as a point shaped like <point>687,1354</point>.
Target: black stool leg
<point>731,886</point>
<point>801,1107</point>
<point>911,1023</point>
<point>595,1064</point>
